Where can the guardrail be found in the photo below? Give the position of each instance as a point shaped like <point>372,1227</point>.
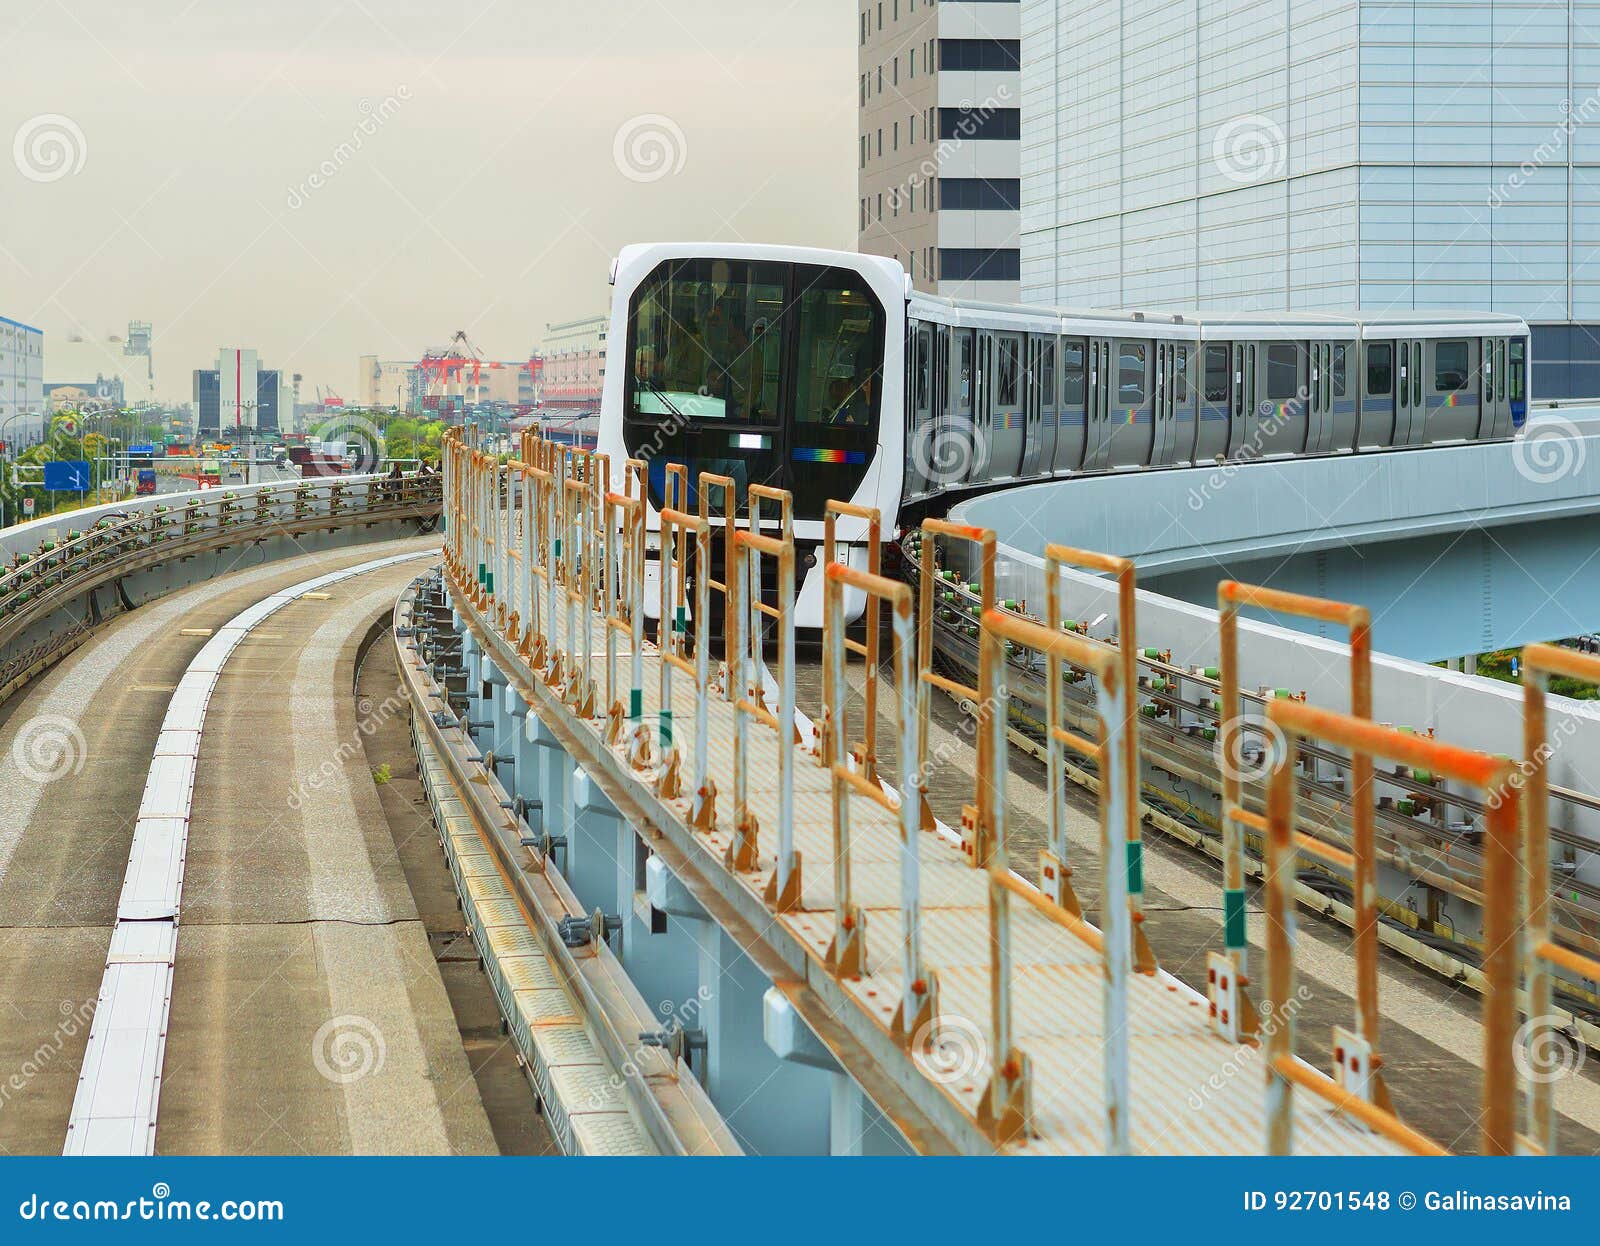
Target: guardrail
<point>937,890</point>
<point>53,562</point>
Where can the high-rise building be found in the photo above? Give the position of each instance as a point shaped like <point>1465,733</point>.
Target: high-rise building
<point>237,395</point>
<point>938,149</point>
<point>21,379</point>
<point>1375,154</point>
<point>572,364</point>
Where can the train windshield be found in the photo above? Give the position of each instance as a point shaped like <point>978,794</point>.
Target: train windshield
<point>766,372</point>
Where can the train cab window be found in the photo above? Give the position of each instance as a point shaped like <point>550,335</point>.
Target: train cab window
<point>1283,371</point>
<point>840,363</point>
<point>1217,375</point>
<point>1518,369</point>
<point>1005,394</point>
<point>1132,360</point>
<point>1339,380</point>
<point>1180,374</point>
<point>1451,365</point>
<point>1072,373</point>
<point>706,343</point>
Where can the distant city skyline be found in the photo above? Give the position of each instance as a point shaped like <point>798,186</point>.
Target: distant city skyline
<point>325,181</point>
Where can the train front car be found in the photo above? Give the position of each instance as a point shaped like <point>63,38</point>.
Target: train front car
<point>769,365</point>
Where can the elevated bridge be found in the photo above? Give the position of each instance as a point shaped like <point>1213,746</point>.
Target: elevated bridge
<point>727,899</point>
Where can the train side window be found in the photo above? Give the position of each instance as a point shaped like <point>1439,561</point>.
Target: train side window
<point>924,365</point>
<point>1131,374</point>
<point>1217,375</point>
<point>1180,374</point>
<point>1072,372</point>
<point>1283,371</point>
<point>1450,366</point>
<point>1047,375</point>
<point>1006,380</point>
<point>1339,382</point>
<point>1518,368</point>
<point>1405,375</point>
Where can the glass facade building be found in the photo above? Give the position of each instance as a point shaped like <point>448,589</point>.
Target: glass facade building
<point>1314,155</point>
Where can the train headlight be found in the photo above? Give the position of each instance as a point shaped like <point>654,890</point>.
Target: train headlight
<point>811,559</point>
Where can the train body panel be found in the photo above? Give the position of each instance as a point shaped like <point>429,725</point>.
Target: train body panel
<point>824,373</point>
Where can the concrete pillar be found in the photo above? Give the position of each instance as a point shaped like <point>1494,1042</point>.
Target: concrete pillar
<point>774,1106</point>
<point>855,1126</point>
<point>596,870</point>
<point>547,778</point>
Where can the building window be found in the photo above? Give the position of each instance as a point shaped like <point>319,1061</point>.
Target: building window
<point>980,264</point>
<point>880,207</point>
<point>980,194</point>
<point>880,140</point>
<point>863,30</point>
<point>913,62</point>
<point>880,79</point>
<point>896,71</point>
<point>991,54</point>
<point>897,136</point>
<point>978,123</point>
<point>913,129</point>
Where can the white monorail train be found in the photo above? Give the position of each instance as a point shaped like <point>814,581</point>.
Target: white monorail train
<point>824,373</point>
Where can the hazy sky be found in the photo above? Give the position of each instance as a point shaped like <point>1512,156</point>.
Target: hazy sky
<point>479,164</point>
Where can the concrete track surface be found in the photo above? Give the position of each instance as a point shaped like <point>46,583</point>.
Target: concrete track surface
<point>308,1013</point>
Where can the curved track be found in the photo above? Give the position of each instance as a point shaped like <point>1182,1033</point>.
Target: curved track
<point>296,913</point>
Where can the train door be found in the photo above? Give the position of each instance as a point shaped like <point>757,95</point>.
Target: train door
<point>1162,413</point>
<point>1181,448</point>
<point>1451,391</point>
<point>1131,428</point>
<point>1517,380</point>
<point>1006,412</point>
<point>955,449</point>
<point>1317,399</point>
<point>1410,415</point>
<point>1072,404</point>
<point>1242,432</point>
<point>1285,391</point>
<point>1032,404</point>
<point>919,421</point>
<point>1040,448</point>
<point>1375,428</point>
<point>1496,420</point>
<point>1342,417</point>
<point>1102,382</point>
<point>1215,402</point>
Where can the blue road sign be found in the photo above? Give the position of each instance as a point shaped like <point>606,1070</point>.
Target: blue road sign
<point>67,475</point>
<point>141,449</point>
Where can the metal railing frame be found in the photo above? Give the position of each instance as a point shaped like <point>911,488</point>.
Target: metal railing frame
<point>1294,721</point>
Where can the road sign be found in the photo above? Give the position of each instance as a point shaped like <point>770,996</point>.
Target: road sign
<point>141,449</point>
<point>67,475</point>
<point>27,507</point>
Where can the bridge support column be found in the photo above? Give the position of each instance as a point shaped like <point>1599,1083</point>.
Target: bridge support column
<point>661,942</point>
<point>774,1106</point>
<point>519,780</point>
<point>547,782</point>
<point>855,1126</point>
<point>596,867</point>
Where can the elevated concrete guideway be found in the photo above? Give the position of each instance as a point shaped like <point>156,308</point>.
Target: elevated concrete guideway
<point>1455,550</point>
<point>301,959</point>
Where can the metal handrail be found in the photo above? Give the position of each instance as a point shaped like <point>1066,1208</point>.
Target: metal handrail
<point>1295,721</point>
